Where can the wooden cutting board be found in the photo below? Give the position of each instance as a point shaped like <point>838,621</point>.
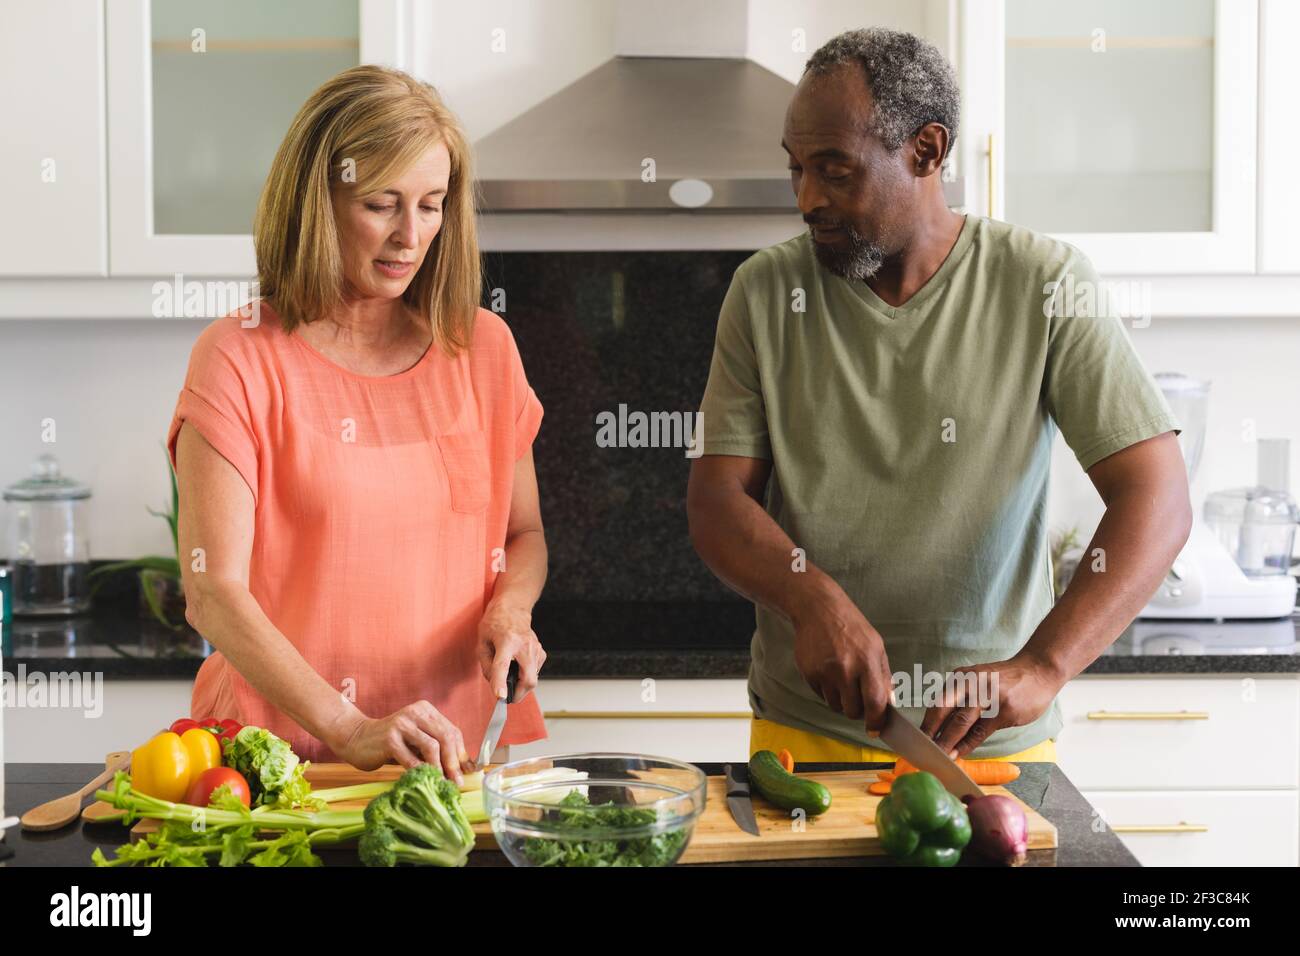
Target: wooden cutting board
<point>321,776</point>
<point>846,829</point>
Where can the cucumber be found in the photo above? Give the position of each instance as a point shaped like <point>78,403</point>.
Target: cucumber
<point>777,785</point>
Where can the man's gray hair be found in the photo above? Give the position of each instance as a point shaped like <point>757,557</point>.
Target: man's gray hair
<point>910,81</point>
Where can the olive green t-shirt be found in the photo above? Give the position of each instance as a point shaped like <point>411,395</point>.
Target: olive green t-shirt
<point>911,445</point>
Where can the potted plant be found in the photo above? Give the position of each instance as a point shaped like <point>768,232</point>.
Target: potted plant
<point>1066,553</point>
<point>160,577</point>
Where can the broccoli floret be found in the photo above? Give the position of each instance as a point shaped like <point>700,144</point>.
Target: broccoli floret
<point>425,795</point>
<point>422,812</point>
<point>380,846</point>
<point>384,811</point>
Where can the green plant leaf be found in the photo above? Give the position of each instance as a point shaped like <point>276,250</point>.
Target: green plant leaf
<point>151,598</point>
<point>174,515</point>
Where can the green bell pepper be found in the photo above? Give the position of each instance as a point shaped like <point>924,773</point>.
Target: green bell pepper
<point>922,824</point>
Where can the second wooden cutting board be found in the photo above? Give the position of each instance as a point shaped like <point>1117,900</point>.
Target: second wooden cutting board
<point>848,828</point>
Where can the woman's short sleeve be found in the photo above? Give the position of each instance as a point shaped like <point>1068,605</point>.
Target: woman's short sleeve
<point>528,407</point>
<point>215,400</point>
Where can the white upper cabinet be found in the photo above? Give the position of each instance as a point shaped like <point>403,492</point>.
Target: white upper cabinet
<point>200,94</point>
<point>1126,127</point>
<point>52,163</point>
<point>1279,137</point>
<point>1156,135</point>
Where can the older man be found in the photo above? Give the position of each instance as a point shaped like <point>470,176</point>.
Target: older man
<point>879,419</point>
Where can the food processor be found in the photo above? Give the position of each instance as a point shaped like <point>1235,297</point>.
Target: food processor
<point>1236,564</point>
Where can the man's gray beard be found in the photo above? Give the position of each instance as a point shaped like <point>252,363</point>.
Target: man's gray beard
<point>857,259</point>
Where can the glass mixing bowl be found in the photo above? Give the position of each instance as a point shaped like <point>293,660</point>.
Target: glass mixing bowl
<point>594,809</point>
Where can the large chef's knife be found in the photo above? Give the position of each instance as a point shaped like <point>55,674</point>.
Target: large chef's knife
<point>924,754</point>
<point>498,721</point>
<point>738,799</point>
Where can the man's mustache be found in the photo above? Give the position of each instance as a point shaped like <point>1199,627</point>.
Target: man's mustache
<point>823,224</point>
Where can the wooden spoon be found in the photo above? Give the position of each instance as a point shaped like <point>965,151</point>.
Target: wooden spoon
<point>97,811</point>
<point>59,813</point>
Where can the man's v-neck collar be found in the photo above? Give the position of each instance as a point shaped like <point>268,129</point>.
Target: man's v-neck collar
<point>965,239</point>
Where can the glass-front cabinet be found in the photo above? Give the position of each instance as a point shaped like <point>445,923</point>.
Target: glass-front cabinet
<point>200,93</point>
<point>1126,127</point>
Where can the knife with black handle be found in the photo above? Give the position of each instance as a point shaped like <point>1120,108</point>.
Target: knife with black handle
<point>738,799</point>
<point>498,721</point>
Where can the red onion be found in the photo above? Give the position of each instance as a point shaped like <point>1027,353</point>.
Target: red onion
<point>998,828</point>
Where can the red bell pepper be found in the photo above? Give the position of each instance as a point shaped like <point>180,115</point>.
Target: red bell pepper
<point>221,729</point>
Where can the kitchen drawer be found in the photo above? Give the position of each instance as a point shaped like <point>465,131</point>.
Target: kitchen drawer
<point>686,719</point>
<point>680,738</point>
<point>1196,733</point>
<point>644,696</point>
<point>1205,827</point>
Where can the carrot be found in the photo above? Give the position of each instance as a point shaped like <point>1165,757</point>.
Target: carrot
<point>902,766</point>
<point>880,788</point>
<point>987,773</point>
<point>787,760</point>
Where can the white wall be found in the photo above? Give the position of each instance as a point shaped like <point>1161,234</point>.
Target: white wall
<point>1254,369</point>
<point>772,26</point>
<point>487,89</point>
<point>111,387</point>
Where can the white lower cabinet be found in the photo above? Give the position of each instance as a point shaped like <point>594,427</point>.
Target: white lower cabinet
<point>1192,771</point>
<point>92,722</point>
<point>1180,733</point>
<point>701,720</point>
<point>686,719</point>
<point>1205,827</point>
<point>1189,771</point>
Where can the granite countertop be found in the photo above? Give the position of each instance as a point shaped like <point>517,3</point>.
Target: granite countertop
<point>631,639</point>
<point>1083,838</point>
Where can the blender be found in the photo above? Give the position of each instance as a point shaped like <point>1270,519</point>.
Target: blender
<point>1236,564</point>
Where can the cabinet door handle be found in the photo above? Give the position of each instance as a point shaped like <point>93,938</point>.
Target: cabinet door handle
<point>1161,828</point>
<point>993,176</point>
<point>1148,715</point>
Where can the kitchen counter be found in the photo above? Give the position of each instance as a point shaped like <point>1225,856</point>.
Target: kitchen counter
<point>631,640</point>
<point>1042,786</point>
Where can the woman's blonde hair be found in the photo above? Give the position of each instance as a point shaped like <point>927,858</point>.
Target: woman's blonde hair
<point>362,129</point>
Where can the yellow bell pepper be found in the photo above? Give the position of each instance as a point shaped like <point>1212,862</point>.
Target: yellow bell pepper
<point>161,768</point>
<point>167,765</point>
<point>204,750</point>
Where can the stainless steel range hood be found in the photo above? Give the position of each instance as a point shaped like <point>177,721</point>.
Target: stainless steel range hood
<point>712,127</point>
<point>681,92</point>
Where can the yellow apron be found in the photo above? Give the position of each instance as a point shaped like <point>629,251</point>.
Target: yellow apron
<point>808,747</point>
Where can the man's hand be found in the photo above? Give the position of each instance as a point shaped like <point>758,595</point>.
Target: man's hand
<point>842,657</point>
<point>1025,688</point>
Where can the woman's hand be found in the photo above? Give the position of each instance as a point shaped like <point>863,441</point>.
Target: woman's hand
<point>417,733</point>
<point>505,634</point>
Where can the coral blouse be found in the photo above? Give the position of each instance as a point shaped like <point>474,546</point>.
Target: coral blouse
<point>379,503</point>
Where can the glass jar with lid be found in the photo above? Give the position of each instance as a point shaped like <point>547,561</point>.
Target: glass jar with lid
<point>1257,525</point>
<point>47,542</point>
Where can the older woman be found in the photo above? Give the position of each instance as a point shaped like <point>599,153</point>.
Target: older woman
<point>358,506</point>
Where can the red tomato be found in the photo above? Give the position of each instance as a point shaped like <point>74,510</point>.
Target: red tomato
<point>201,791</point>
<point>182,725</point>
